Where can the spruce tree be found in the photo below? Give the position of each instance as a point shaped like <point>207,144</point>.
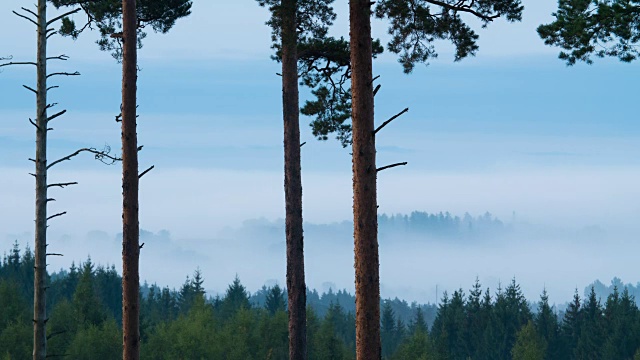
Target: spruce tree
<point>275,300</point>
<point>589,345</point>
<point>418,323</point>
<point>387,330</point>
<point>571,327</point>
<point>528,345</point>
<point>546,322</point>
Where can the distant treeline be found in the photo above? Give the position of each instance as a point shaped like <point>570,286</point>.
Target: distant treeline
<point>85,312</point>
<point>418,224</point>
<point>441,224</point>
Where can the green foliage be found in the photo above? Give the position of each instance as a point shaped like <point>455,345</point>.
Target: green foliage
<point>475,327</point>
<point>235,299</point>
<point>590,340</point>
<point>275,301</point>
<point>546,322</point>
<point>529,345</point>
<point>594,27</point>
<point>324,65</point>
<point>417,346</point>
<point>106,15</point>
<point>415,25</point>
<point>192,336</point>
<point>313,18</point>
<point>16,340</point>
<point>418,323</point>
<point>102,341</point>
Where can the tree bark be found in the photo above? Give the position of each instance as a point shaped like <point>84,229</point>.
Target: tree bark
<point>293,185</point>
<point>130,225</point>
<point>39,285</point>
<point>365,221</point>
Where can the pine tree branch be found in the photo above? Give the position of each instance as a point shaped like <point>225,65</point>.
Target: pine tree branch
<point>391,166</point>
<point>99,155</point>
<point>56,115</point>
<point>464,8</point>
<point>26,17</point>
<point>30,88</point>
<point>63,74</point>
<point>146,171</point>
<point>62,57</point>
<point>56,215</point>
<point>30,12</point>
<point>62,16</point>
<point>62,185</point>
<point>18,63</point>
<point>390,120</point>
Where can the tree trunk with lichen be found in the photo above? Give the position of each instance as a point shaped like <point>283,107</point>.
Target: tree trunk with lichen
<point>130,225</point>
<point>296,288</point>
<point>40,267</point>
<point>365,221</point>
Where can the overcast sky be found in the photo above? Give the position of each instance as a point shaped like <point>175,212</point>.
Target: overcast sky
<point>513,129</point>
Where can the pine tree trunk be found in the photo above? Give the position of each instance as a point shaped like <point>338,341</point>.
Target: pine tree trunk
<point>293,186</point>
<point>39,285</point>
<point>364,185</point>
<point>130,225</point>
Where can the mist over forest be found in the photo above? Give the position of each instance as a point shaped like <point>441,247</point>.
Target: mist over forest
<point>422,255</point>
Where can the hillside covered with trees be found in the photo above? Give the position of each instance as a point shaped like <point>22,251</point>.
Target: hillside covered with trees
<point>187,323</point>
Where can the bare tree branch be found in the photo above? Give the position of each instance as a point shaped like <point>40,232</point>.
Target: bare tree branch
<point>18,63</point>
<point>375,91</point>
<point>146,171</point>
<point>30,12</point>
<point>62,57</point>
<point>56,115</point>
<point>391,166</point>
<point>62,16</point>
<point>29,88</point>
<point>26,17</point>
<point>54,254</point>
<point>301,145</point>
<point>390,120</point>
<point>56,215</point>
<point>62,185</point>
<point>99,155</point>
<point>52,87</point>
<point>34,124</point>
<point>64,74</point>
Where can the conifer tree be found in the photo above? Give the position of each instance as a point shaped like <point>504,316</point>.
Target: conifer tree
<point>275,300</point>
<point>387,330</point>
<point>571,327</point>
<point>414,25</point>
<point>528,345</point>
<point>546,322</point>
<point>589,345</point>
<point>583,28</point>
<point>299,34</point>
<point>120,24</point>
<point>42,165</point>
<point>418,323</point>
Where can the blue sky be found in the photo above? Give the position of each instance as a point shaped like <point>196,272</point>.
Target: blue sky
<point>513,129</point>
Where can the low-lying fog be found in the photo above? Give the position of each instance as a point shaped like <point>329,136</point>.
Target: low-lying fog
<point>416,262</point>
